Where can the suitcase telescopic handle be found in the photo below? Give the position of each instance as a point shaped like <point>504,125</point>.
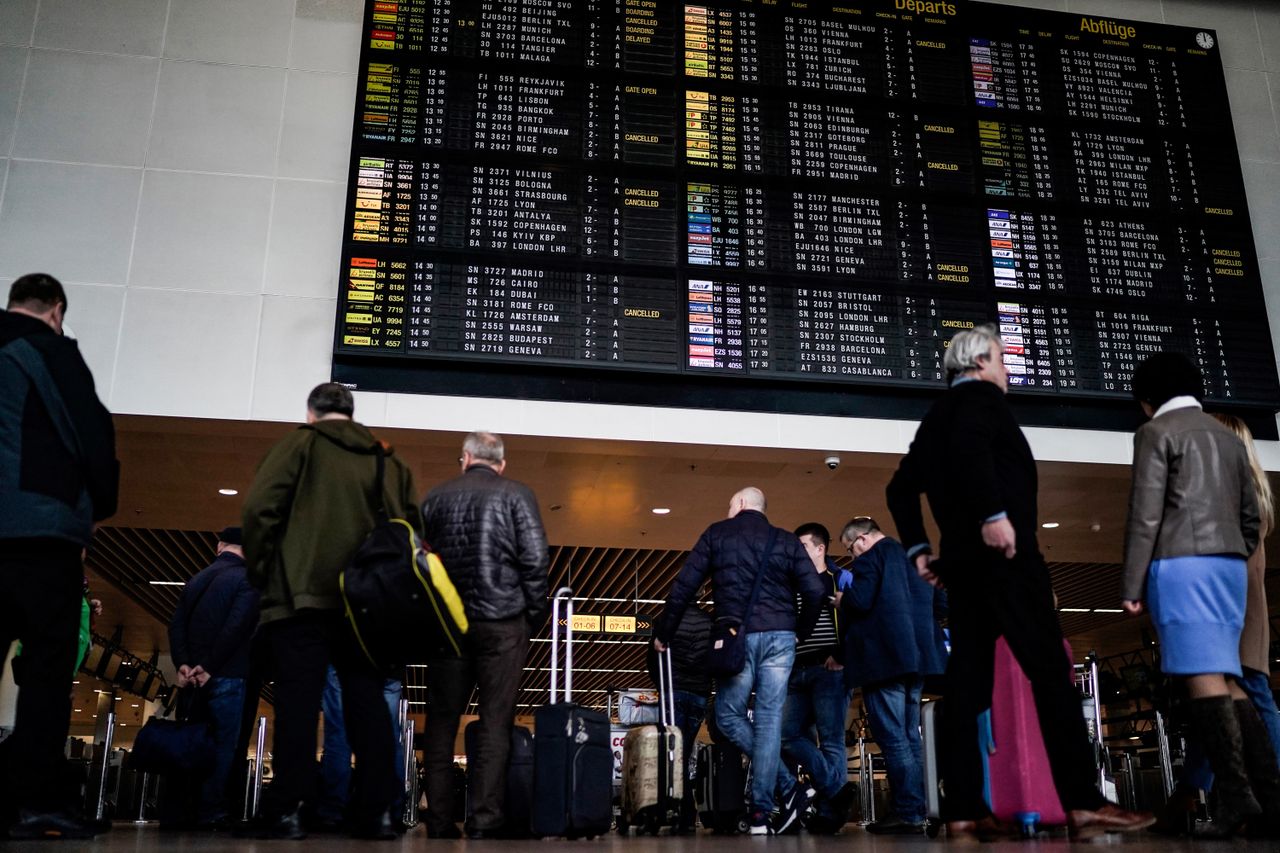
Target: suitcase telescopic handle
<point>562,601</point>
<point>666,689</point>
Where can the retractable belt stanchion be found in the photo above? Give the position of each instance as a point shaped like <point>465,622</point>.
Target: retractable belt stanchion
<point>108,741</point>
<point>248,790</point>
<point>260,750</point>
<point>142,800</point>
<point>1166,759</point>
<point>408,769</point>
<point>866,783</point>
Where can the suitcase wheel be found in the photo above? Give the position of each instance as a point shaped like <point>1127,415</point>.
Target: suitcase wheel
<point>932,828</point>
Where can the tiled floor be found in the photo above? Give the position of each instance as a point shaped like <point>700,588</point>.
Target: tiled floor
<point>126,838</point>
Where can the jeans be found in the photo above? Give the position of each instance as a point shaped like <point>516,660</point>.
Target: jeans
<point>224,699</point>
<point>817,701</point>
<point>769,655</point>
<point>1257,686</point>
<point>893,708</point>
<point>335,762</point>
<point>691,709</point>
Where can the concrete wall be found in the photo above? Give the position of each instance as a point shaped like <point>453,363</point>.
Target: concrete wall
<point>181,165</point>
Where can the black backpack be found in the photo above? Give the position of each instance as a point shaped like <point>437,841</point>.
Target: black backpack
<point>397,595</point>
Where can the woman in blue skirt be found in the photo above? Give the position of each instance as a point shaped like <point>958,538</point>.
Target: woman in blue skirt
<point>1193,522</point>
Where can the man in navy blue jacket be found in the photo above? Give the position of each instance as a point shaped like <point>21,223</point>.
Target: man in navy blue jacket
<point>209,639</point>
<point>892,641</point>
<point>58,478</point>
<point>732,552</point>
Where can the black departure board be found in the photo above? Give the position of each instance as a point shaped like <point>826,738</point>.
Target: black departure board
<point>796,192</point>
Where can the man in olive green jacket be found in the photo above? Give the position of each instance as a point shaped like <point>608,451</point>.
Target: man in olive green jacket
<point>310,507</point>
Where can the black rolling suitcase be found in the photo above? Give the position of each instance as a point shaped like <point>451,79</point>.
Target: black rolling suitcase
<point>573,764</point>
<point>519,777</point>
<point>720,794</point>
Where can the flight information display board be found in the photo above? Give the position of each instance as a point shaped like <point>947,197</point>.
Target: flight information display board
<point>794,191</point>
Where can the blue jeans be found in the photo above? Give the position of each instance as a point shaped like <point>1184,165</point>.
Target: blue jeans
<point>817,701</point>
<point>224,698</point>
<point>335,761</point>
<point>1256,685</point>
<point>893,709</point>
<point>769,657</point>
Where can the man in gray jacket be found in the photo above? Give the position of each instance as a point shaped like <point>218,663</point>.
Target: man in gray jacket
<point>58,478</point>
<point>488,532</point>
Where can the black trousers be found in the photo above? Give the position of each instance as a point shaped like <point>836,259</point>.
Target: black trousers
<point>41,596</point>
<point>1012,599</point>
<point>493,660</point>
<point>301,649</point>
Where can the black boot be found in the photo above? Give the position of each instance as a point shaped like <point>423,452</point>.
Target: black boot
<point>1218,730</point>
<point>1260,762</point>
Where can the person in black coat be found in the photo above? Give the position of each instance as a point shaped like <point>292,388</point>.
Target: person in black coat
<point>209,640</point>
<point>692,688</point>
<point>892,642</point>
<point>58,478</point>
<point>972,461</point>
<point>734,552</point>
<point>487,530</point>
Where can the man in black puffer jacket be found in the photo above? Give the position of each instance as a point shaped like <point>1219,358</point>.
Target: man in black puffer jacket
<point>733,552</point>
<point>489,534</point>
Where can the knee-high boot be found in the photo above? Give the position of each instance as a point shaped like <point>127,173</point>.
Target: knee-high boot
<point>1218,729</point>
<point>1260,764</point>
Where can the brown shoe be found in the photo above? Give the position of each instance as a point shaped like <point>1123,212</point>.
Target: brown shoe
<point>1086,824</point>
<point>989,828</point>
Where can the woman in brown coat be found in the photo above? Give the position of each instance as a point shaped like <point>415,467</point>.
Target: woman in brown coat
<point>1254,683</point>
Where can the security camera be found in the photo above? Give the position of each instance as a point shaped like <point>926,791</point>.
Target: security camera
<point>833,462</point>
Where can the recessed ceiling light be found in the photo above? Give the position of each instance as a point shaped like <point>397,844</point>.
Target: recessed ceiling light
<point>1134,737</point>
<point>167,583</point>
<point>134,705</point>
<point>229,492</point>
<point>661,510</point>
<point>76,711</point>
<point>1049,525</point>
<point>1107,610</point>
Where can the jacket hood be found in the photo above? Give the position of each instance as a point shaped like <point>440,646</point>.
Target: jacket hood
<point>14,325</point>
<point>348,435</point>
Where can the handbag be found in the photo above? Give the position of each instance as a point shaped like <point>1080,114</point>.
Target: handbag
<point>175,746</point>
<point>728,654</point>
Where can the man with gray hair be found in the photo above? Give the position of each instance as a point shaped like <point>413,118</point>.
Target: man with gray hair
<point>972,461</point>
<point>756,572</point>
<point>487,531</point>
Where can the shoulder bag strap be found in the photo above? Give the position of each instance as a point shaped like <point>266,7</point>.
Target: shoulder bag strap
<point>760,570</point>
<point>379,483</point>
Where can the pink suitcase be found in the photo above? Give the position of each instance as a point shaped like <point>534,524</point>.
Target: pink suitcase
<point>1018,766</point>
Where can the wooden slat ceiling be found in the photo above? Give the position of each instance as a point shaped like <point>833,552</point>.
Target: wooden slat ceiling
<point>618,581</point>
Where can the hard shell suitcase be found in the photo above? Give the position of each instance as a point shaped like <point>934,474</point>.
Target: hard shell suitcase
<point>720,793</point>
<point>573,765</point>
<point>1018,774</point>
<point>519,788</point>
<point>653,764</point>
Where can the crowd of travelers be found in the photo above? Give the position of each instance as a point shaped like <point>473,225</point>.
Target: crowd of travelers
<point>809,632</point>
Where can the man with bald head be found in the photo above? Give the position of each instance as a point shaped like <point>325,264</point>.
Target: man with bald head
<point>756,571</point>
